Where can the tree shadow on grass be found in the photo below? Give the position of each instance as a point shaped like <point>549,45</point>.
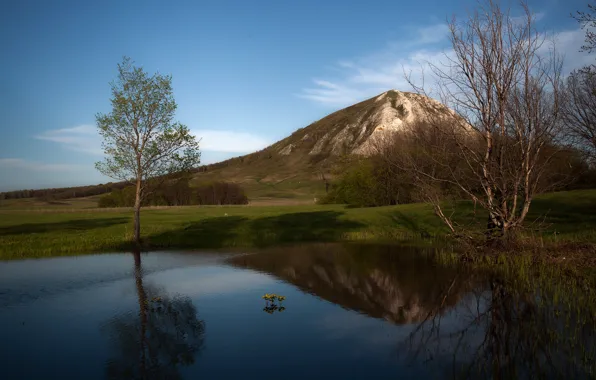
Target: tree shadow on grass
<point>318,226</point>
<point>411,223</point>
<point>207,233</point>
<point>239,231</point>
<point>567,214</point>
<point>65,226</point>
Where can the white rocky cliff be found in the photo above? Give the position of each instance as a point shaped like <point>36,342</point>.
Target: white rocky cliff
<point>356,129</point>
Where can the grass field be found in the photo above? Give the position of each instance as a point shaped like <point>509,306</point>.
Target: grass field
<point>564,216</point>
<point>36,204</point>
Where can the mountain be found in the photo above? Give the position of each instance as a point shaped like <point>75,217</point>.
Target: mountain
<point>297,166</point>
<point>352,129</point>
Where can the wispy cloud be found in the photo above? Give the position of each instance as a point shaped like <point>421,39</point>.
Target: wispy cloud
<point>21,164</point>
<point>230,141</point>
<point>333,93</point>
<point>537,17</point>
<point>369,75</point>
<point>431,34</point>
<point>363,77</point>
<point>82,138</point>
<point>568,43</point>
<point>85,138</point>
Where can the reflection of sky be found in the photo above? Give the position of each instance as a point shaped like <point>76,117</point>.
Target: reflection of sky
<point>25,280</point>
<point>215,280</point>
<point>56,330</point>
<point>373,332</point>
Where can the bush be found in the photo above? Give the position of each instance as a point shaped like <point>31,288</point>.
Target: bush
<point>368,182</point>
<point>178,192</point>
<point>220,193</point>
<point>118,198</point>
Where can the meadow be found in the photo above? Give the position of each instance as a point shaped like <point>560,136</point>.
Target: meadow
<point>563,217</point>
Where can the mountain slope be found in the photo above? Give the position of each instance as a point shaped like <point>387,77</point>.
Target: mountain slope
<point>295,167</point>
<point>351,130</point>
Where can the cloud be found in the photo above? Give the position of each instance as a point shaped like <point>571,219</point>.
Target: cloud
<point>230,141</point>
<point>537,17</point>
<point>431,34</point>
<point>21,164</point>
<point>360,78</point>
<point>327,92</point>
<point>367,76</point>
<point>82,138</point>
<point>568,43</point>
<point>85,138</point>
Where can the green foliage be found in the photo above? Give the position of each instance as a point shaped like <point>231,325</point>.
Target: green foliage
<point>141,141</point>
<point>355,187</point>
<point>368,183</point>
<point>63,192</point>
<point>178,192</point>
<point>118,198</point>
<point>220,193</point>
<point>140,138</point>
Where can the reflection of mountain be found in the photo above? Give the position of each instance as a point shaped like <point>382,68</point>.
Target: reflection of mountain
<point>398,284</point>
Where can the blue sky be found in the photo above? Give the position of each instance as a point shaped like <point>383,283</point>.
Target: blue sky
<point>245,73</point>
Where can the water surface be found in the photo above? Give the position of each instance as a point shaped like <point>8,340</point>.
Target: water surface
<point>351,312</point>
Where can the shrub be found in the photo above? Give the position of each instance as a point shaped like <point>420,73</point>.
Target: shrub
<point>368,183</point>
<point>178,192</point>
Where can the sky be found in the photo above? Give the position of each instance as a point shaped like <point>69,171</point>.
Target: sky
<point>245,73</point>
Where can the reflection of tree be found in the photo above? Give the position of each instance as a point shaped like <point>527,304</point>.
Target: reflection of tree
<point>397,284</point>
<point>165,334</point>
<point>507,333</point>
<point>468,325</point>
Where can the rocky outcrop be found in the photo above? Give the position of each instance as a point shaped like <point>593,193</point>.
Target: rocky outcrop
<point>358,128</point>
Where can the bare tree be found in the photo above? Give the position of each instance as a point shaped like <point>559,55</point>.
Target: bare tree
<point>505,331</point>
<point>579,112</point>
<point>425,158</point>
<point>588,22</point>
<point>503,83</point>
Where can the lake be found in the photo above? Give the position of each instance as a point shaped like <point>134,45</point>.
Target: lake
<point>350,312</point>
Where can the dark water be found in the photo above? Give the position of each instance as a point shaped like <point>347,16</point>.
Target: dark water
<point>351,312</point>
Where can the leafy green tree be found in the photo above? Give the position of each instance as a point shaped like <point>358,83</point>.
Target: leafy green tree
<point>141,140</point>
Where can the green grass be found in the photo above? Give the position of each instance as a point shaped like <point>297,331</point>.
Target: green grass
<point>566,216</point>
<point>36,204</point>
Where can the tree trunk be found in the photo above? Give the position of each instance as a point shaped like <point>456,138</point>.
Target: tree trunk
<point>495,229</point>
<point>137,216</point>
<point>142,299</point>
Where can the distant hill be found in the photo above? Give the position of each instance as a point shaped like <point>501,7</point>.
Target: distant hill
<point>297,167</point>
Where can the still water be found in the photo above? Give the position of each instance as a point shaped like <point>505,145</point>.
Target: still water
<point>350,312</point>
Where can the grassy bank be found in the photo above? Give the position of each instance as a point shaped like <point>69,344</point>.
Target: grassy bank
<point>562,217</point>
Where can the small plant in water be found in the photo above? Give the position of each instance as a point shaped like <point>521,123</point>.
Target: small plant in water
<point>270,305</point>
